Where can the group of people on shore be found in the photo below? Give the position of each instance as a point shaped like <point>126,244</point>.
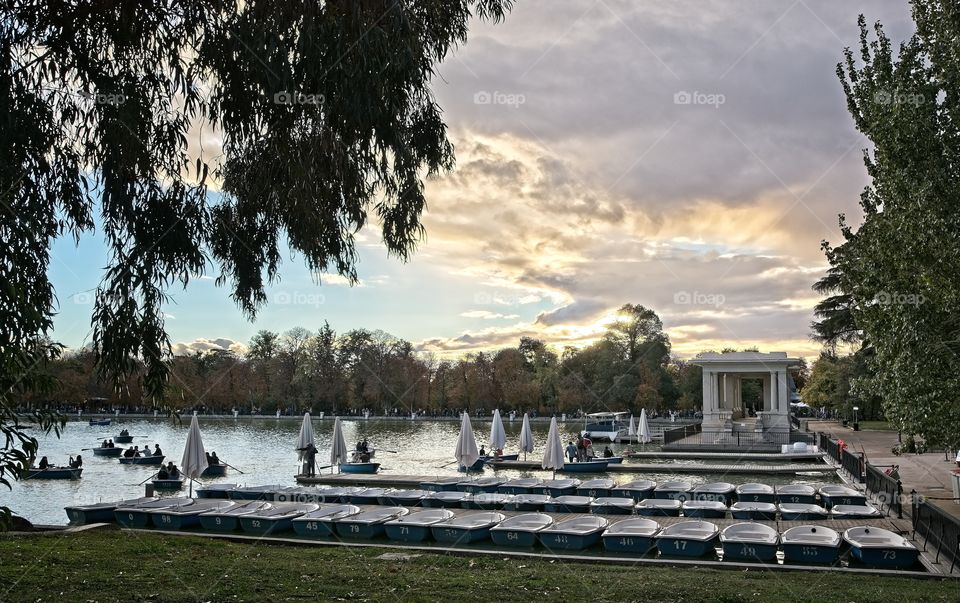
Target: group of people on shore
<point>135,452</point>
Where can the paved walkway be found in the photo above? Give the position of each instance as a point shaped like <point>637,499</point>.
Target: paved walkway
<point>929,474</point>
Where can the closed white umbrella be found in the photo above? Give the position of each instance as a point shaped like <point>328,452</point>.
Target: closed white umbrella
<point>338,452</point>
<point>553,455</point>
<point>644,427</point>
<point>526,436</point>
<point>498,437</point>
<point>305,439</point>
<point>466,451</point>
<point>194,460</point>
<point>632,430</point>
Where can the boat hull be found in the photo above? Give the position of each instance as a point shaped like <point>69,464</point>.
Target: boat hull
<point>680,495</point>
<point>747,551</point>
<point>476,466</point>
<point>220,523</point>
<point>361,531</point>
<point>557,507</point>
<point>637,545</point>
<point>440,503</point>
<point>810,553</point>
<point>585,467</point>
<point>314,528</point>
<point>636,495</point>
<point>142,460</point>
<point>704,513</point>
<point>800,499</point>
<point>174,521</point>
<point>407,533</point>
<point>399,501</point>
<point>481,488</point>
<point>167,484</point>
<point>123,439</point>
<point>611,510</point>
<point>509,488</point>
<point>57,473</point>
<point>658,512</point>
<point>754,514</point>
<point>757,497</point>
<point>843,499</point>
<point>514,538</point>
<point>524,505</point>
<point>456,535</point>
<point>802,516</point>
<point>85,516</point>
<point>214,471</point>
<point>553,491</point>
<point>594,492</point>
<point>360,468</point>
<point>107,451</point>
<point>684,547</point>
<point>132,519</point>
<point>262,527</point>
<point>888,558</point>
<point>569,542</point>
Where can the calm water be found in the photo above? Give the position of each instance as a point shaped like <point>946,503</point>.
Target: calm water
<point>264,451</point>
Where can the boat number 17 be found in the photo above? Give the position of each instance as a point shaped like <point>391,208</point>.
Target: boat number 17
<point>680,545</point>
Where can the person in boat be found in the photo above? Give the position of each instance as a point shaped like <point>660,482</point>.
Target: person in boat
<point>76,463</point>
<point>364,457</point>
<point>359,446</point>
<point>128,453</point>
<point>173,471</point>
<point>124,432</point>
<point>162,473</point>
<point>156,450</point>
<point>364,446</point>
<point>498,453</point>
<point>136,452</point>
<point>571,451</point>
<point>483,451</point>
<point>110,444</point>
<point>607,453</point>
<point>104,444</point>
<point>214,459</point>
<point>44,463</point>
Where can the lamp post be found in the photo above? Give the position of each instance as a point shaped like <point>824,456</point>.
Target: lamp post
<point>856,425</point>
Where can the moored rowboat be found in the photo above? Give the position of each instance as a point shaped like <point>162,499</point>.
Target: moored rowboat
<point>415,527</point>
<point>100,512</point>
<point>631,536</point>
<point>520,530</point>
<point>319,523</point>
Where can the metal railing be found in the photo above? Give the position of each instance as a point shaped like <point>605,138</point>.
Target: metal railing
<point>889,491</point>
<point>853,463</point>
<point>831,447</point>
<point>735,439</point>
<point>672,435</point>
<point>938,529</point>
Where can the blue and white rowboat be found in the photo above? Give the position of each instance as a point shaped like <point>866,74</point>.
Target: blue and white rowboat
<point>228,519</point>
<point>716,491</point>
<point>526,502</point>
<point>877,547</point>
<point>177,518</point>
<point>520,530</point>
<point>637,490</point>
<point>854,512</point>
<point>402,498</point>
<point>802,512</point>
<point>526,485</point>
<point>485,501</point>
<point>688,539</point>
<point>677,490</point>
<point>568,504</point>
<point>659,507</point>
<point>754,510</point>
<point>466,528</point>
<point>574,534</point>
<point>368,524</point>
<point>612,505</point>
<point>101,512</point>
<point>138,515</point>
<point>810,544</point>
<point>840,495</point>
<point>560,487</point>
<point>415,527</point>
<point>707,509</point>
<point>750,542</point>
<point>755,493</point>
<point>636,536</point>
<point>319,523</point>
<point>596,488</point>
<point>276,518</point>
<point>800,494</point>
<point>445,500</point>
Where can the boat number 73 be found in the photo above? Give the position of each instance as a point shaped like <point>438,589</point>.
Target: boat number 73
<point>889,554</point>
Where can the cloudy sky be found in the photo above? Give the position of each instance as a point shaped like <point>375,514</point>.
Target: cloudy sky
<point>687,155</point>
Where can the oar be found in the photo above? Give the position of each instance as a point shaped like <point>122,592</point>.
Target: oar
<point>385,450</point>
<point>149,478</point>
<point>232,467</point>
<point>446,464</point>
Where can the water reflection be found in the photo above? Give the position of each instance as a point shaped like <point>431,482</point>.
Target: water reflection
<point>264,450</point>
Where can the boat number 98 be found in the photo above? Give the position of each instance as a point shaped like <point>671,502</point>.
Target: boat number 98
<point>164,519</point>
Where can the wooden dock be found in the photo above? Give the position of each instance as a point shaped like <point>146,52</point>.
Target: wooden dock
<point>738,468</point>
<point>735,457</point>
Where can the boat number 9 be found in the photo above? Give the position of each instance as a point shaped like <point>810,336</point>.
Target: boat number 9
<point>255,523</point>
<point>889,554</point>
<point>680,545</point>
<point>748,551</point>
<point>217,520</point>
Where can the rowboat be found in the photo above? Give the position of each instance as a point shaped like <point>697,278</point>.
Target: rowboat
<point>520,530</point>
<point>574,534</point>
<point>364,468</point>
<point>880,548</point>
<point>688,539</point>
<point>840,495</point>
<point>810,544</point>
<point>256,492</point>
<point>755,493</point>
<point>796,494</point>
<point>476,466</point>
<point>228,518</point>
<point>560,487</point>
<point>613,460</point>
<point>568,504</point>
<point>53,473</point>
<point>631,536</point>
<point>278,517</point>
<point>659,507</point>
<point>749,542</point>
<point>754,510</point>
<point>137,515</point>
<point>123,439</point>
<point>677,490</point>
<point>486,501</point>
<point>707,509</point>
<point>107,451</point>
<point>854,512</point>
<point>586,467</point>
<point>402,498</point>
<point>482,484</point>
<point>368,524</point>
<point>802,512</point>
<point>167,484</point>
<point>596,487</point>
<point>466,528</point>
<point>526,502</point>
<point>367,496</point>
<point>612,505</point>
<point>441,484</point>
<point>99,422</point>
<point>300,494</point>
<point>716,491</point>
<point>526,485</point>
<point>415,527</point>
<point>492,460</point>
<point>154,459</point>
<point>637,489</point>
<point>100,512</point>
<point>446,500</point>
<point>216,490</point>
<point>319,523</point>
<point>176,518</point>
<point>218,470</point>
<point>334,495</point>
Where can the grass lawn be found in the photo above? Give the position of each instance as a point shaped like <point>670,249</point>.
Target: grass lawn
<point>109,565</point>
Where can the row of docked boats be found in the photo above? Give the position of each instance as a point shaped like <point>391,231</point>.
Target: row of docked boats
<point>742,541</point>
<point>589,498</point>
